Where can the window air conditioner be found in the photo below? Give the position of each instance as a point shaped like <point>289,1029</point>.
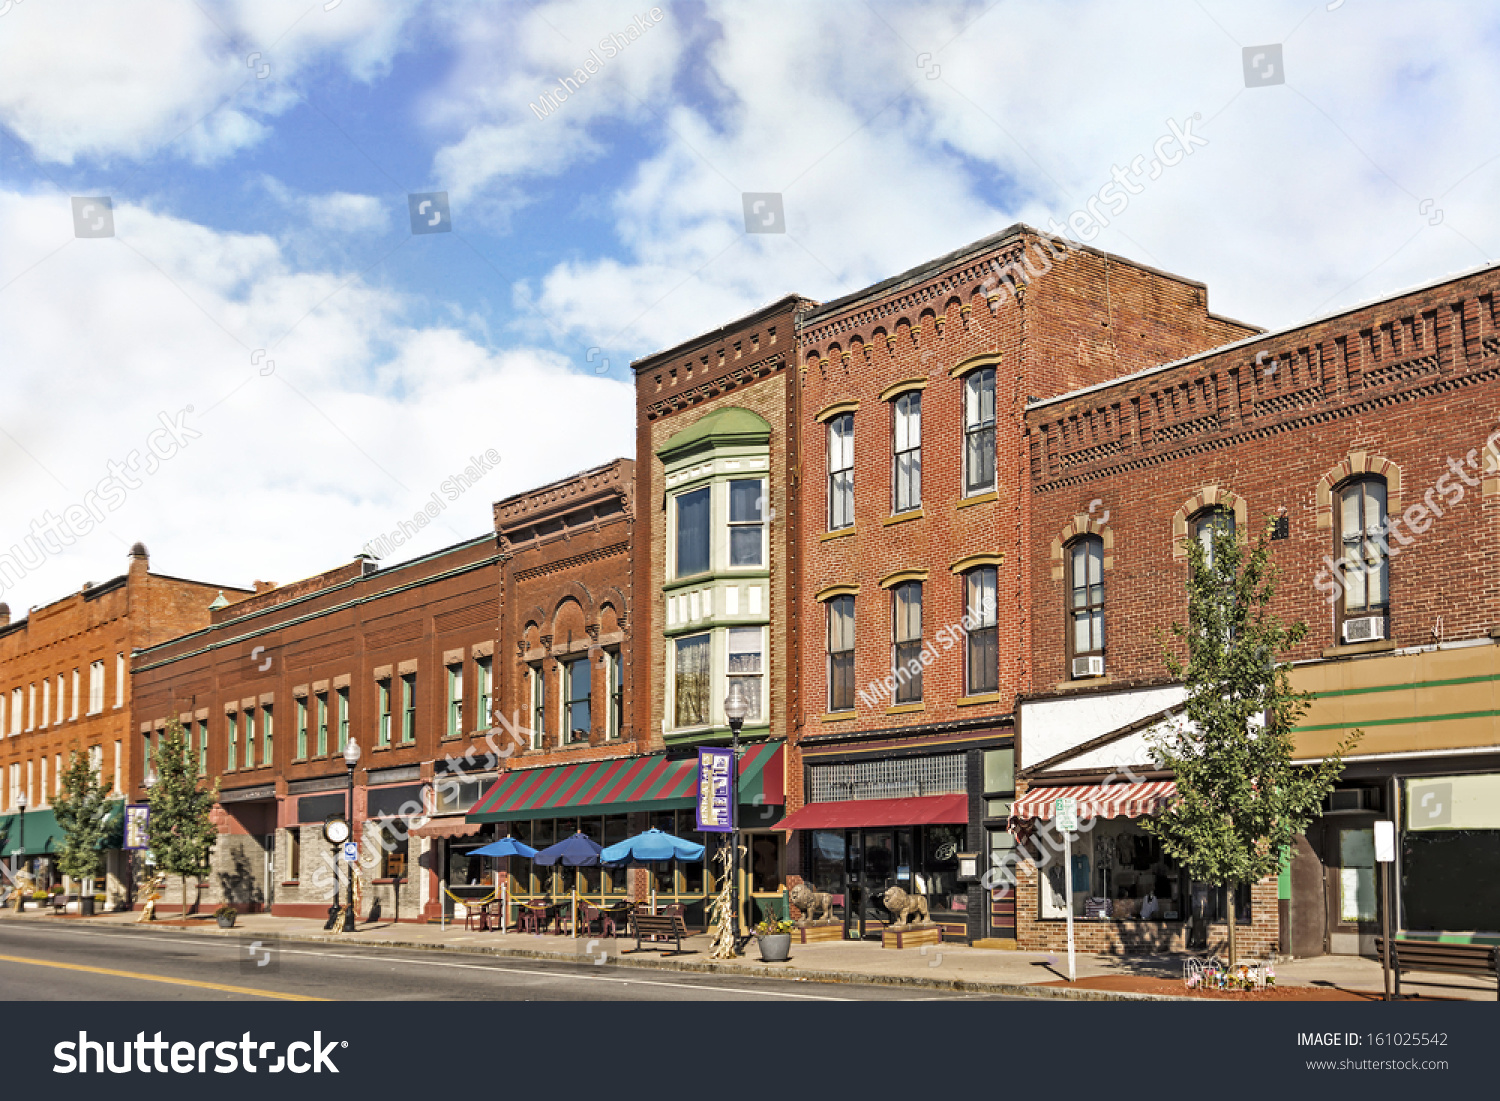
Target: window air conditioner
<point>1088,667</point>
<point>1365,628</point>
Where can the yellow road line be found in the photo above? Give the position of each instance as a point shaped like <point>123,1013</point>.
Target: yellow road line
<point>162,978</point>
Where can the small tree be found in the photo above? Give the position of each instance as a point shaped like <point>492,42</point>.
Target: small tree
<point>179,831</point>
<point>81,810</point>
<point>1240,800</point>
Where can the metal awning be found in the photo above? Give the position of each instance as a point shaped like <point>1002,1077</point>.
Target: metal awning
<point>1121,800</point>
<point>622,784</point>
<point>919,810</point>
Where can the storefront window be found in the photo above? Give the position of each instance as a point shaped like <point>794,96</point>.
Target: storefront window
<point>1118,872</point>
<point>765,863</point>
<point>937,869</point>
<point>1357,874</point>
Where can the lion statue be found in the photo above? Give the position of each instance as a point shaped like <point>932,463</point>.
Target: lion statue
<point>906,907</point>
<point>813,904</point>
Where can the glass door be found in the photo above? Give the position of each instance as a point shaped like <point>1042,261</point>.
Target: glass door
<point>877,871</point>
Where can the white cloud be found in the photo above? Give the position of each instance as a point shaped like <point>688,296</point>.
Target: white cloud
<point>326,439</point>
<point>95,78</point>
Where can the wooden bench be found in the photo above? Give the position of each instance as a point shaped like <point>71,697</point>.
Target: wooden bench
<point>1451,959</point>
<point>60,903</point>
<point>658,925</point>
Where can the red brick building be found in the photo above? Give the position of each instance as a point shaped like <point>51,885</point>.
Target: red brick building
<point>65,686</point>
<point>1368,440</point>
<point>914,609</point>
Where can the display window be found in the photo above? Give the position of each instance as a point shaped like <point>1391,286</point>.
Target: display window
<point>1118,871</point>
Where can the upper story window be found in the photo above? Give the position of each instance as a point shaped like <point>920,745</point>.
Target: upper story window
<point>119,680</point>
<point>249,738</point>
<point>906,447</point>
<point>96,687</point>
<point>343,695</point>
<point>906,605</point>
<point>841,653</point>
<point>1364,559</point>
<point>982,657</point>
<point>1086,605</point>
<point>455,725</point>
<point>693,539</point>
<point>538,695</point>
<point>747,529</point>
<point>691,681</point>
<point>615,720</point>
<point>1208,524</point>
<point>77,693</point>
<point>485,690</point>
<point>301,727</point>
<point>747,667</point>
<point>17,707</point>
<point>322,724</point>
<point>979,431</point>
<point>266,735</point>
<point>577,699</point>
<point>383,704</point>
<point>841,472</point>
<point>409,707</point>
<point>231,742</point>
<point>61,711</point>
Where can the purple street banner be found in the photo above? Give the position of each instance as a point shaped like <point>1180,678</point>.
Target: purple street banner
<point>715,785</point>
<point>136,817</point>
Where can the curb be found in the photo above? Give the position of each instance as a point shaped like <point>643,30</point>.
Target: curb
<point>705,967</point>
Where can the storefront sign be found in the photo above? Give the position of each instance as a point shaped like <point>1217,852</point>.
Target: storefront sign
<point>1065,814</point>
<point>715,789</point>
<point>136,817</point>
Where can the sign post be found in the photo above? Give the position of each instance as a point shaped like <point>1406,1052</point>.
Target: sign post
<point>1385,856</point>
<point>1065,816</point>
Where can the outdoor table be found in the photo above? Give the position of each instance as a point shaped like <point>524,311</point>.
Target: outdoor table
<point>548,913</point>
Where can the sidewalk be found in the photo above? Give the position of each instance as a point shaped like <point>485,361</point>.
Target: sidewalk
<point>941,967</point>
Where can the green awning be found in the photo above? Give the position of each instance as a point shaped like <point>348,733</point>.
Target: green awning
<point>43,835</point>
<point>620,785</point>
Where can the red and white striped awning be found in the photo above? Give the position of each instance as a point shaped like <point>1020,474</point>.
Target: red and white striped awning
<point>1117,800</point>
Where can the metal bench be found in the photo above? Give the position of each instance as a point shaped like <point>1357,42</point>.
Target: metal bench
<point>658,925</point>
<point>1451,959</point>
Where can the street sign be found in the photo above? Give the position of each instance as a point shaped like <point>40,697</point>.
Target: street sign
<point>1065,814</point>
<point>351,852</point>
<point>1385,841</point>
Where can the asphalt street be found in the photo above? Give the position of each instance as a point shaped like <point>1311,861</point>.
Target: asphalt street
<point>71,962</point>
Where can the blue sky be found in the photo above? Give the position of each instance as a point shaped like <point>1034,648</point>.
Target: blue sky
<point>263,270</point>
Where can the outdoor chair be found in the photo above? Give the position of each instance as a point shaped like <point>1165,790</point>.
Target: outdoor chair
<point>592,914</point>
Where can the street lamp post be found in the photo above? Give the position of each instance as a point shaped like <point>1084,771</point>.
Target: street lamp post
<point>735,709</point>
<point>351,758</point>
<point>21,842</point>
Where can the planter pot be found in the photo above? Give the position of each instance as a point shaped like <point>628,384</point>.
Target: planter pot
<point>86,905</point>
<point>775,947</point>
<point>226,921</point>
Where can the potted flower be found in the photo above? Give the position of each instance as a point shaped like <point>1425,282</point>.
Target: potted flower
<point>774,935</point>
<point>225,916</point>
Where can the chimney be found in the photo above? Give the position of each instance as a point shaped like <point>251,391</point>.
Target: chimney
<point>264,586</point>
<point>4,615</point>
<point>140,562</point>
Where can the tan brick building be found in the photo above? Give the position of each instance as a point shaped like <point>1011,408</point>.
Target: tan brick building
<point>65,686</point>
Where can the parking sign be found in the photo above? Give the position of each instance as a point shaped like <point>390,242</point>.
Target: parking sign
<point>1065,814</point>
<point>351,852</point>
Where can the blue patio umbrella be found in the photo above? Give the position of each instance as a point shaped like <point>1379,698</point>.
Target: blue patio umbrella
<point>571,852</point>
<point>506,846</point>
<point>649,847</point>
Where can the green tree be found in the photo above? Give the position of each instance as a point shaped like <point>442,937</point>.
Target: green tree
<point>1240,800</point>
<point>81,810</point>
<point>179,832</point>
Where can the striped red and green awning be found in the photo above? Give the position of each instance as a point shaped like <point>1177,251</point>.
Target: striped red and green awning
<point>622,784</point>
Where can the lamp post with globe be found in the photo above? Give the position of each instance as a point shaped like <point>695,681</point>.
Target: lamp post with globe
<point>351,759</point>
<point>736,708</point>
<point>21,840</point>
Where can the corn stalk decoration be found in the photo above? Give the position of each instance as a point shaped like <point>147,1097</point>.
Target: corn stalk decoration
<point>719,924</point>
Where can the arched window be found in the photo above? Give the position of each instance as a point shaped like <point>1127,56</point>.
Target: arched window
<point>1206,524</point>
<point>1086,606</point>
<point>1364,560</point>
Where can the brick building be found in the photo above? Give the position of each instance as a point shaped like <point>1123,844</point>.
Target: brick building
<point>65,686</point>
<point>1369,440</point>
<point>914,513</point>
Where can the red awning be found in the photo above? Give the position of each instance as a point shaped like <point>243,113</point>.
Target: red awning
<point>917,811</point>
<point>447,827</point>
<point>1122,800</point>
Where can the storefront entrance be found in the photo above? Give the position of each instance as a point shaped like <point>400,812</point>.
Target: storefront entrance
<point>858,866</point>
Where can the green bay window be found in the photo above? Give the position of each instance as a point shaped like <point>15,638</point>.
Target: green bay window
<point>693,532</point>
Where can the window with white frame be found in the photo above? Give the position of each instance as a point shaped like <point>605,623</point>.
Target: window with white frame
<point>301,703</point>
<point>1364,556</point>
<point>747,528</point>
<point>841,472</point>
<point>17,708</point>
<point>484,692</point>
<point>119,681</point>
<point>906,449</point>
<point>693,531</point>
<point>46,701</point>
<point>577,698</point>
<point>119,753</point>
<point>96,687</point>
<point>31,706</point>
<point>906,647</point>
<point>982,657</point>
<point>979,431</point>
<point>1086,596</point>
<point>841,653</point>
<point>538,694</point>
<point>77,686</point>
<point>383,702</point>
<point>746,668</point>
<point>692,680</point>
<point>249,715</point>
<point>62,711</point>
<point>455,700</point>
<point>615,719</point>
<point>44,789</point>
